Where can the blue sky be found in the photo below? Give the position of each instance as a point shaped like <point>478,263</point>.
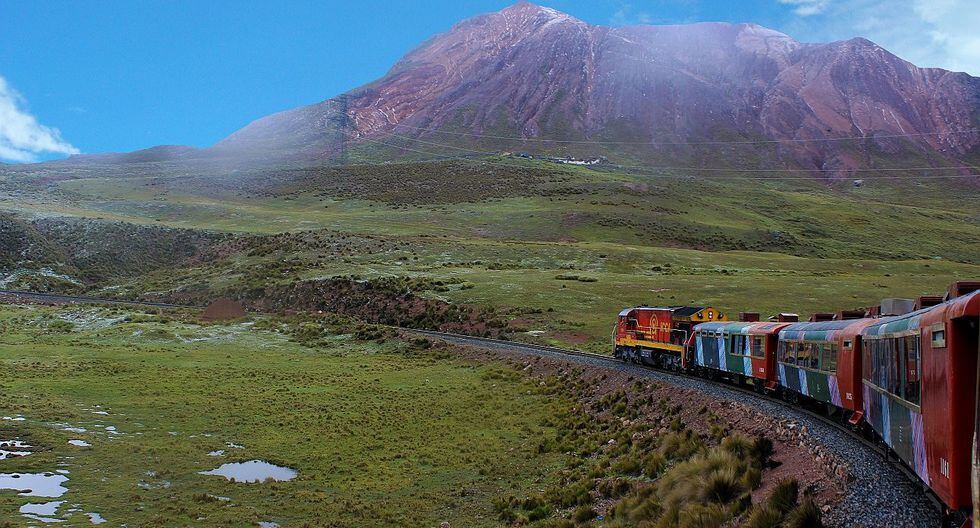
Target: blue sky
<point>120,75</point>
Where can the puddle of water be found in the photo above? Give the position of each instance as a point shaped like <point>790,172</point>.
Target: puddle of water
<point>95,518</point>
<point>42,512</point>
<point>17,418</point>
<point>234,446</point>
<point>70,428</point>
<point>46,508</point>
<point>217,453</point>
<point>267,524</point>
<point>34,484</point>
<point>14,449</point>
<point>79,443</point>
<point>253,471</point>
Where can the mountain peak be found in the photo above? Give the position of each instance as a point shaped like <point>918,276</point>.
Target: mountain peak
<point>531,72</point>
<point>524,8</point>
<point>525,15</point>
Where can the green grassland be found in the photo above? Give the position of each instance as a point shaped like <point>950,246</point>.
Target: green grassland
<point>381,434</point>
<point>382,430</point>
<point>572,291</point>
<point>575,244</point>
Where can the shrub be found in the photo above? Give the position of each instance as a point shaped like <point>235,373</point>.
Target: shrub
<point>722,485</point>
<point>583,514</point>
<point>653,465</point>
<point>764,516</point>
<point>806,515</point>
<point>784,495</point>
<point>703,516</point>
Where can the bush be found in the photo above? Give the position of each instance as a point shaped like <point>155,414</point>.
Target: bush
<point>806,515</point>
<point>764,517</point>
<point>583,514</point>
<point>701,516</point>
<point>784,495</point>
<point>680,445</point>
<point>722,485</point>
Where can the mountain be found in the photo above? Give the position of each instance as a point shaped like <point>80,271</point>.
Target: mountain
<point>533,72</point>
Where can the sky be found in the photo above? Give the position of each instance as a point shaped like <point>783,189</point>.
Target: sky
<point>117,76</point>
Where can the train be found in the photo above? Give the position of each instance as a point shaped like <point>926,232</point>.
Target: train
<point>903,373</point>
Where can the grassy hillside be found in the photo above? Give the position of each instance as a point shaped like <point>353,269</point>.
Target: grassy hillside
<point>559,248</point>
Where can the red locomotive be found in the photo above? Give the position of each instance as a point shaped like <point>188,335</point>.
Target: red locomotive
<point>658,335</point>
<point>909,380</point>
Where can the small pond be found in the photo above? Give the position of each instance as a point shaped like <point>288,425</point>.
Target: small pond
<point>34,484</point>
<point>253,471</point>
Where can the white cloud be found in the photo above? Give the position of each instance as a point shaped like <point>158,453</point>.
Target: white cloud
<point>22,138</point>
<point>928,33</point>
<point>806,7</point>
<point>627,15</point>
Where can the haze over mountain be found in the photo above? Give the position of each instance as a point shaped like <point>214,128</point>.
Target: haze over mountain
<point>636,93</point>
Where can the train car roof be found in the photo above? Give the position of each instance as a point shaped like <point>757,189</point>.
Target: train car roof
<point>961,306</point>
<point>675,310</point>
<point>822,330</point>
<point>741,327</point>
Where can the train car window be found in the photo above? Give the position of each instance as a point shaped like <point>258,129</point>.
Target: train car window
<point>878,360</point>
<point>830,357</point>
<point>866,362</point>
<point>758,349</point>
<point>881,378</point>
<point>787,352</point>
<point>711,347</point>
<point>812,355</point>
<point>938,339</point>
<point>895,368</point>
<point>913,369</point>
<point>901,361</point>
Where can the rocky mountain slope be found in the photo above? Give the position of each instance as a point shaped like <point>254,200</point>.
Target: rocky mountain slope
<point>648,92</point>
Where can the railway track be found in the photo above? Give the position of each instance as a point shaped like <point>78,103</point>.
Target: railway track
<point>676,378</point>
<point>81,299</point>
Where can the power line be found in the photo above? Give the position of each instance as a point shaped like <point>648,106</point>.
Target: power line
<point>682,143</point>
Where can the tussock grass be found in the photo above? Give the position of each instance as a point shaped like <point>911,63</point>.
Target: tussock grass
<point>784,509</point>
